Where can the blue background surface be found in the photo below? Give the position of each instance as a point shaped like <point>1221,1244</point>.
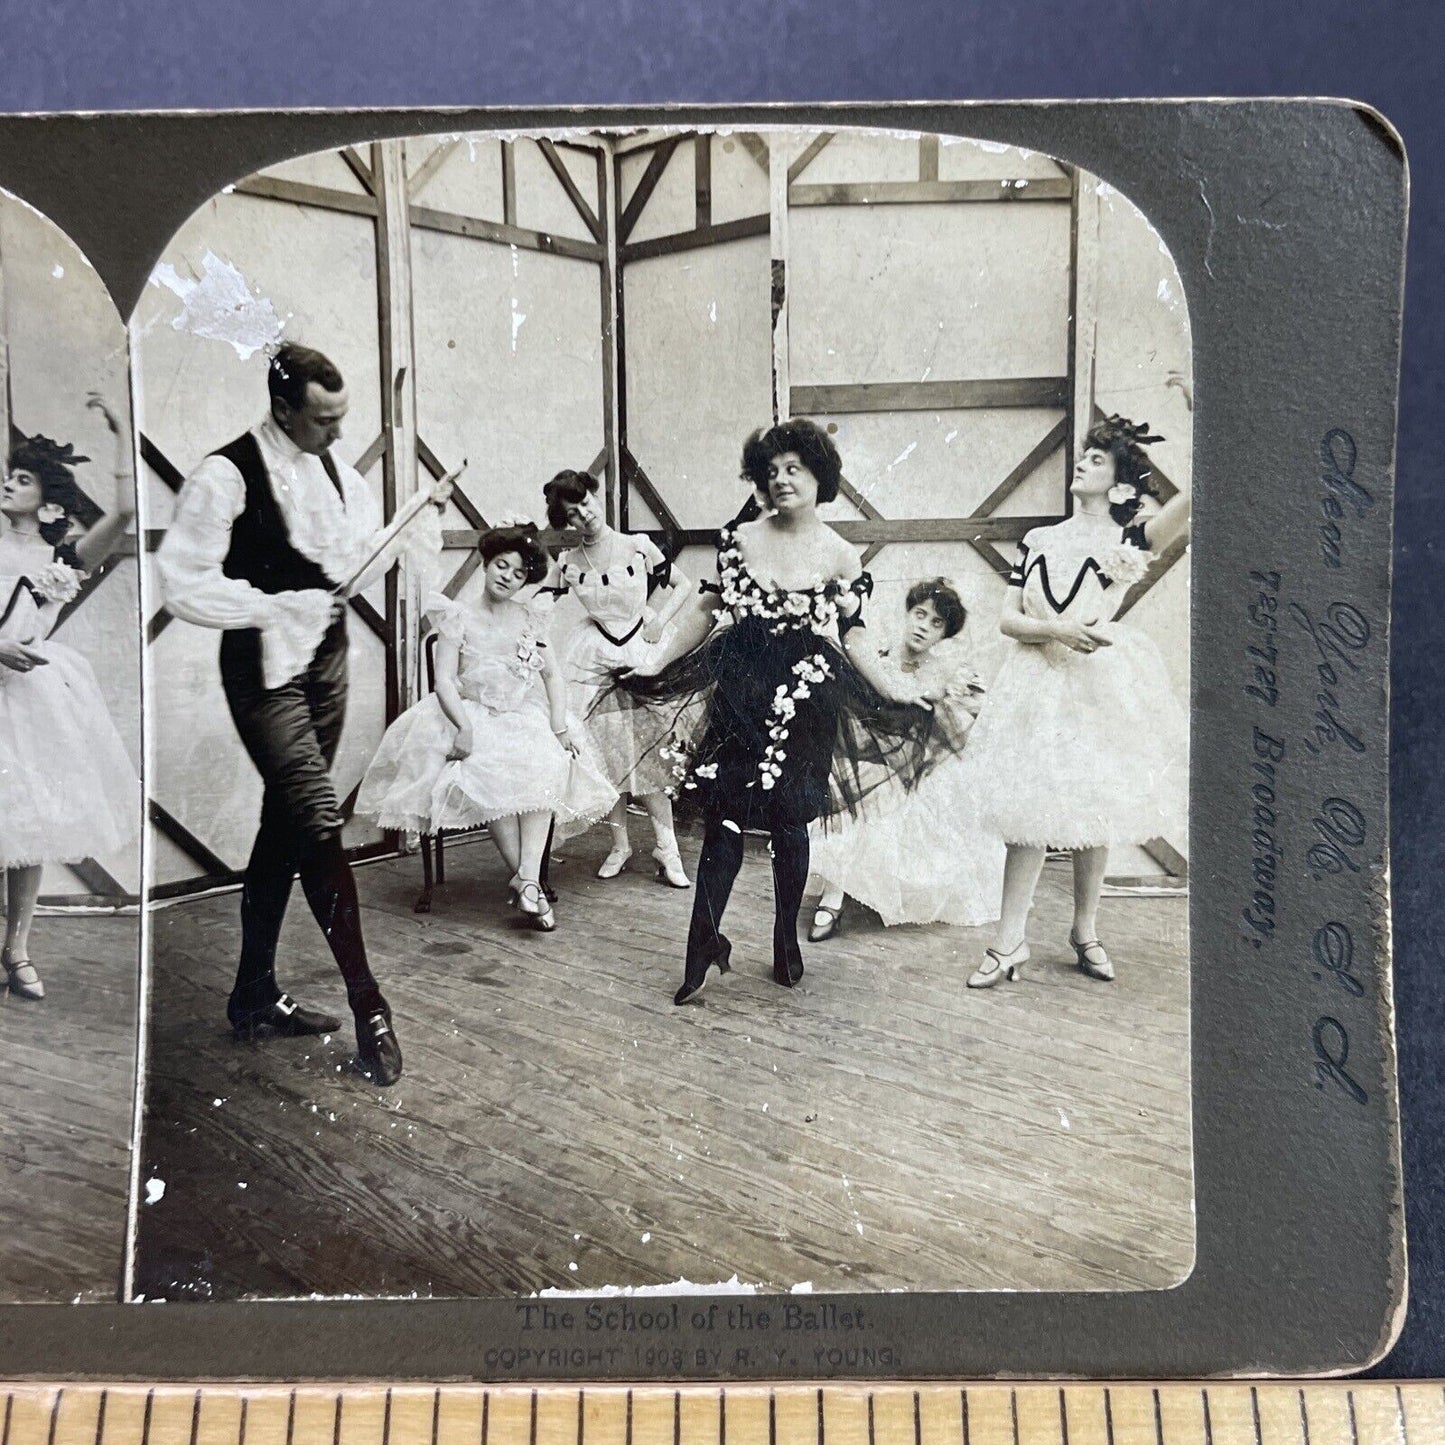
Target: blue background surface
<point>125,54</point>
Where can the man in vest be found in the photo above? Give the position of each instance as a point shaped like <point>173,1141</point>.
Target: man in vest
<point>264,531</point>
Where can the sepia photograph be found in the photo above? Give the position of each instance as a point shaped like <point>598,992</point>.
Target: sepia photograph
<point>668,661</point>
<point>70,750</point>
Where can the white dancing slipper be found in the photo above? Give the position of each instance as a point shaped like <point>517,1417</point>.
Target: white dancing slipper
<point>1093,959</point>
<point>533,902</point>
<point>614,863</point>
<point>24,981</point>
<point>999,966</point>
<point>669,868</point>
<point>825,923</point>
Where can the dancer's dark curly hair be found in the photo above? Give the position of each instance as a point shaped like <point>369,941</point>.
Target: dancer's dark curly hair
<point>567,489</point>
<point>52,465</point>
<point>946,601</point>
<point>812,445</point>
<point>1125,441</point>
<point>523,541</point>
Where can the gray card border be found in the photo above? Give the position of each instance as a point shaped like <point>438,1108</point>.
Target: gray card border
<point>1287,222</point>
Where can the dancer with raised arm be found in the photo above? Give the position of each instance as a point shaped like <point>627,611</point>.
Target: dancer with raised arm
<point>68,789</point>
<point>1082,745</point>
<point>266,530</point>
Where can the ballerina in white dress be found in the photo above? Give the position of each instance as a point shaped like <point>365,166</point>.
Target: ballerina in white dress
<point>613,575</point>
<point>919,855</point>
<point>68,789</point>
<point>496,743</point>
<point>1082,744</point>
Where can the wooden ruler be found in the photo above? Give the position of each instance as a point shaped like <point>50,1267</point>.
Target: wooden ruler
<point>1268,1413</point>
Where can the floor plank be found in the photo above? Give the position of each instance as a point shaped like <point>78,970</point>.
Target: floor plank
<point>70,1079</point>
<point>562,1125</point>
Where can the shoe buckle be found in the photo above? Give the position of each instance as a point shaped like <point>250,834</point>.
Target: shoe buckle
<point>285,1005</point>
<point>379,1026</point>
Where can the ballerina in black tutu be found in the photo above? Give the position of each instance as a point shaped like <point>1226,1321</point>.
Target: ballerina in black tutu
<point>798,726</point>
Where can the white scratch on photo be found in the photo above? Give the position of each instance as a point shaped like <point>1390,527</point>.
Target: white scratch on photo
<point>221,306</point>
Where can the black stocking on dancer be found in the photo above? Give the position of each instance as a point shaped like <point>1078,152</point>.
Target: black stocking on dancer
<point>799,724</point>
<point>265,529</point>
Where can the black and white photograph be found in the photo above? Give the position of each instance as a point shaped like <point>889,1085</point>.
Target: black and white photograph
<point>667,657</point>
<point>70,750</point>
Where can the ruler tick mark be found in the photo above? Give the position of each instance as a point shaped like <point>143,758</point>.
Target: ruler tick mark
<point>1063,1418</point>
<point>1108,1416</point>
<point>1354,1427</point>
<point>1208,1423</point>
<point>1159,1419</point>
<point>1254,1410</point>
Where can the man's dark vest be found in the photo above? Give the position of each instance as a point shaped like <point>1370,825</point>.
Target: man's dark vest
<point>261,552</point>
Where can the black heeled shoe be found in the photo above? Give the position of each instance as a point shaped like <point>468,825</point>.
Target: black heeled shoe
<point>694,985</point>
<point>787,971</point>
<point>378,1054</point>
<point>284,1018</point>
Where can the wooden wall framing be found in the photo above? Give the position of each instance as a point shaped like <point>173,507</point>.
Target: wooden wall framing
<point>393,197</point>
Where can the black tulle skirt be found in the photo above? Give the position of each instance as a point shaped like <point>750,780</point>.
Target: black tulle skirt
<point>770,728</point>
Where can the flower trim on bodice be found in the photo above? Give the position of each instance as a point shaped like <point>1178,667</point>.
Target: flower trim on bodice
<point>783,609</point>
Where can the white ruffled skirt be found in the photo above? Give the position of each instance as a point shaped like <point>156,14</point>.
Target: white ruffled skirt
<point>1076,750</point>
<point>916,857</point>
<point>516,766</point>
<point>628,763</point>
<point>68,789</point>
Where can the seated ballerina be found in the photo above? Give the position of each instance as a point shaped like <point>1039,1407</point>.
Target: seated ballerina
<point>920,855</point>
<point>495,743</point>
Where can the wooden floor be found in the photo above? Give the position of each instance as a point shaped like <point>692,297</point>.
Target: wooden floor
<point>562,1125</point>
<point>68,1099</point>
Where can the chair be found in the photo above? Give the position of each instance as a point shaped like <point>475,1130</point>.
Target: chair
<point>430,841</point>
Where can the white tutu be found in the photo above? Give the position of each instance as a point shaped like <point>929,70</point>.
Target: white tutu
<point>917,857</point>
<point>516,765</point>
<point>921,856</point>
<point>68,790</point>
<point>1076,750</point>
